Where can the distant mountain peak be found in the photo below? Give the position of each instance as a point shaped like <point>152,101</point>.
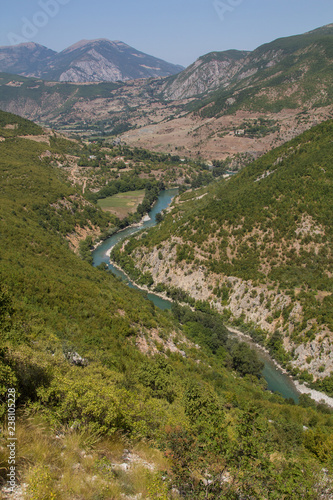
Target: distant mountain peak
<point>27,45</point>
<point>97,41</point>
<point>25,59</point>
<point>85,61</point>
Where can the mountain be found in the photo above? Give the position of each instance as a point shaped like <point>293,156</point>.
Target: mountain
<point>298,57</point>
<point>102,60</point>
<point>234,104</point>
<point>287,83</point>
<point>287,72</point>
<point>257,247</point>
<point>86,61</point>
<point>27,59</point>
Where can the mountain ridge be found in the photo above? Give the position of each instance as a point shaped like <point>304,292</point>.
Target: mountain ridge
<point>239,68</point>
<point>98,60</point>
<point>26,58</point>
<point>206,111</point>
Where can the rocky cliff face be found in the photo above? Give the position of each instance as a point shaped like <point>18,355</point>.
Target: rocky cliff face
<point>260,305</point>
<point>207,73</point>
<point>93,67</point>
<point>221,70</point>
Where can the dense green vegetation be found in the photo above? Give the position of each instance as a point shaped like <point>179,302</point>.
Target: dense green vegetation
<point>132,168</point>
<point>208,330</point>
<point>259,128</point>
<point>270,225</point>
<point>221,433</point>
<point>45,198</point>
<point>13,125</point>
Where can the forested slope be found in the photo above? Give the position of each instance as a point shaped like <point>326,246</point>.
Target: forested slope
<point>257,247</point>
<point>112,399</point>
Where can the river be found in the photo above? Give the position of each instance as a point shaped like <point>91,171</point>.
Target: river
<point>277,380</point>
<point>102,252</point>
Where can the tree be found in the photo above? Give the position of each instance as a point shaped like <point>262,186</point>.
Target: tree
<point>6,309</point>
<point>158,218</point>
<point>245,360</point>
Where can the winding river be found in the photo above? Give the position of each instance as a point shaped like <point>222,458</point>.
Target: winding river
<point>102,252</point>
<point>277,380</point>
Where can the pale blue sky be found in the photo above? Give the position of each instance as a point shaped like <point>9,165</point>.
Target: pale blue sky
<point>178,31</point>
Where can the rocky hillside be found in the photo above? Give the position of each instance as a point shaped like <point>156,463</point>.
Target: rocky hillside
<point>299,63</point>
<point>86,61</point>
<point>209,72</point>
<point>287,82</point>
<point>258,248</point>
<point>286,73</point>
<point>135,110</point>
<point>227,104</point>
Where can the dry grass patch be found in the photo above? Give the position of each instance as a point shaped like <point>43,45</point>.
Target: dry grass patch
<point>66,464</point>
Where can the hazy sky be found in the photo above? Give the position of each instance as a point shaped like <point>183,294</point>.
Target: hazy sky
<point>178,31</point>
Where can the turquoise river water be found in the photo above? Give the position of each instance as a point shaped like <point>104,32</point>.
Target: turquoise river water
<point>277,380</point>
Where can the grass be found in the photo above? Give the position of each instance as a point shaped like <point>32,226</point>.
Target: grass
<point>122,204</point>
<point>67,464</point>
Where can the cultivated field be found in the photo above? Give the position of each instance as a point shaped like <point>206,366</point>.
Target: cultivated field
<point>122,204</point>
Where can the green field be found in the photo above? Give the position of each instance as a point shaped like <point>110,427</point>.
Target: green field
<point>122,204</point>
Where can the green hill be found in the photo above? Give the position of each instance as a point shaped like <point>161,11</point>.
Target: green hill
<point>13,125</point>
<point>258,248</point>
<point>112,399</point>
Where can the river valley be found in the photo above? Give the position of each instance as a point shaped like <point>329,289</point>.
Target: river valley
<point>277,379</point>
